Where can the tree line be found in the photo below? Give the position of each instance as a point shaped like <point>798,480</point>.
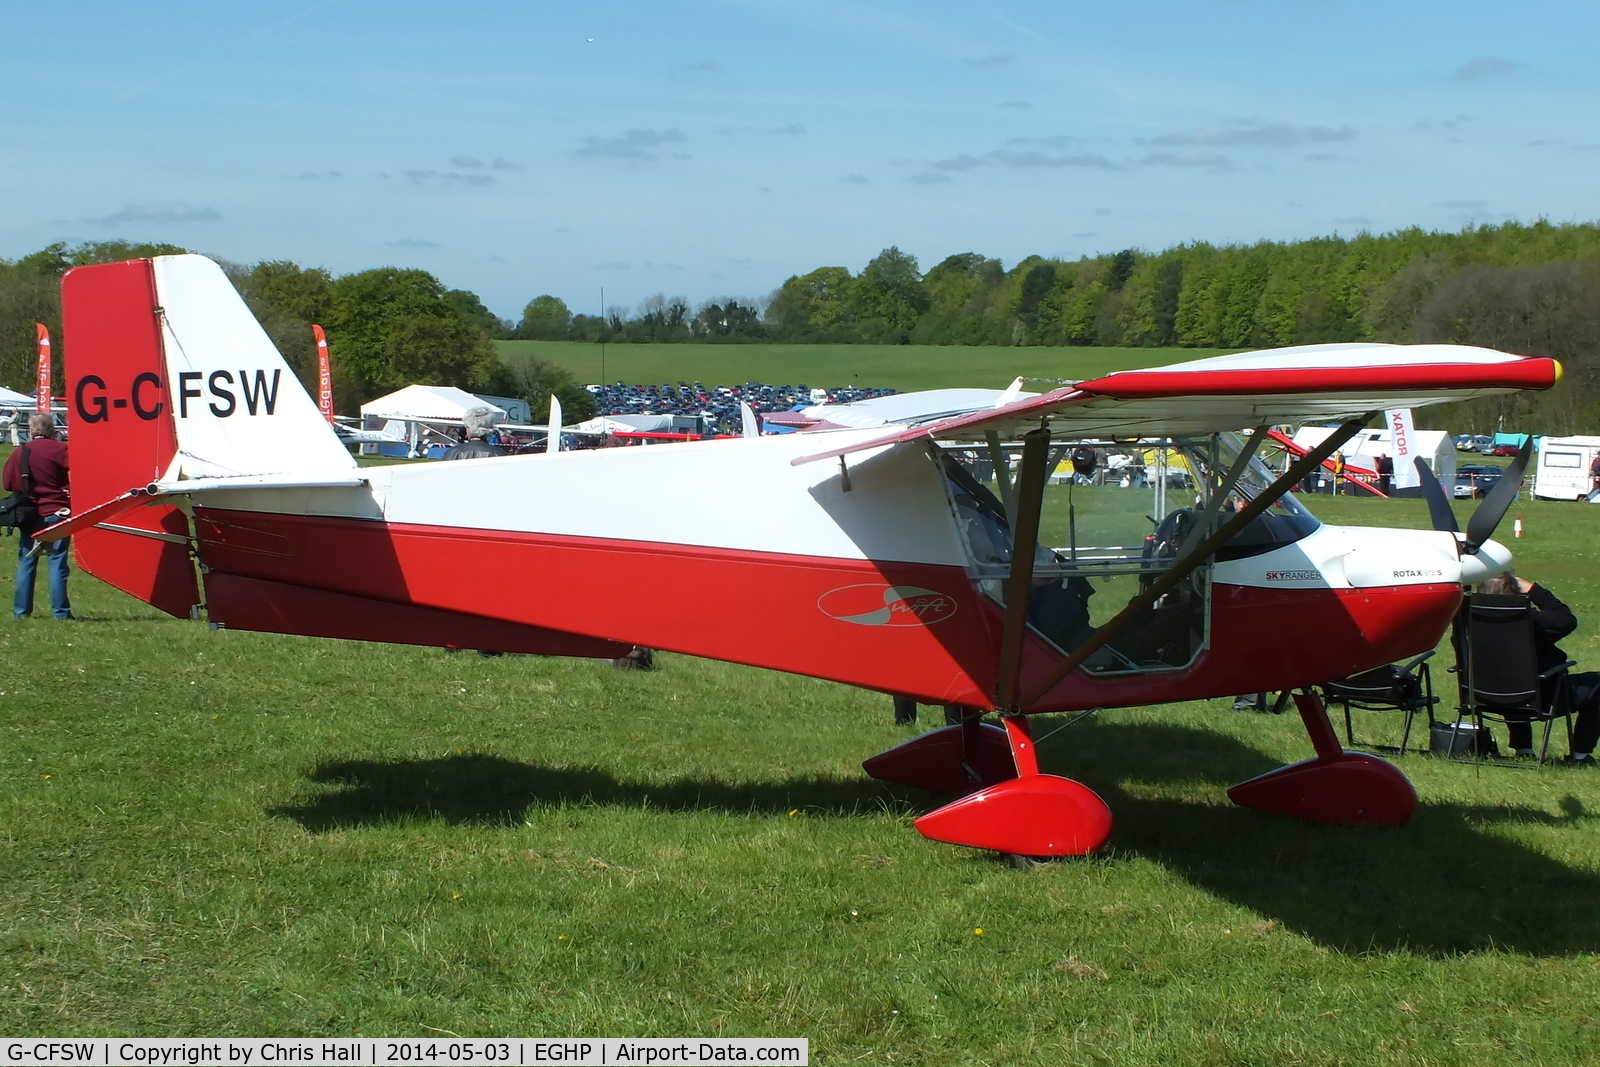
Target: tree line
<point>1531,289</point>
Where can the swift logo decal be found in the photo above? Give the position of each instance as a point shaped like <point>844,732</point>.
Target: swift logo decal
<point>887,605</point>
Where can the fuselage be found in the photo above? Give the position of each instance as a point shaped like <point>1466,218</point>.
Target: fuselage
<point>858,573</point>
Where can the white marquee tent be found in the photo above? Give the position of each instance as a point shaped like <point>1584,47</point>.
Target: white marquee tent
<point>1436,448</point>
<point>418,413</point>
<point>444,404</point>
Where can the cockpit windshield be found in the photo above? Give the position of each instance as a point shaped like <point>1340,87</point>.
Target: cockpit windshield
<point>1284,522</point>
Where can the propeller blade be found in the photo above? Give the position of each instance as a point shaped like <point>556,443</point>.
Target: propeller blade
<point>1438,504</point>
<point>1498,500</point>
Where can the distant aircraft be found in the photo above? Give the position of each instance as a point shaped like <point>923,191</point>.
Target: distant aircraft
<point>208,482</point>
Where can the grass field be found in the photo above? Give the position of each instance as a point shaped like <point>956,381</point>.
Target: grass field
<point>225,833</point>
<point>900,367</point>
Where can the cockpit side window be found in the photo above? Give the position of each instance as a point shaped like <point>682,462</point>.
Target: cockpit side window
<point>980,515</point>
<point>1096,537</point>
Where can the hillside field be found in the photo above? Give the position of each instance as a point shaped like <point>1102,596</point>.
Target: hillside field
<point>227,833</point>
<point>902,367</point>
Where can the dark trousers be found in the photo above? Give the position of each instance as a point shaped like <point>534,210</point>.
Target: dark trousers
<point>1585,701</point>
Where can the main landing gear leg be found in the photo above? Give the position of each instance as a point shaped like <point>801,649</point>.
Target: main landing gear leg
<point>956,759</point>
<point>1336,787</point>
<point>1024,813</point>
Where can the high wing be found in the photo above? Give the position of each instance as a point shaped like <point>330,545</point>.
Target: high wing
<point>1288,385</point>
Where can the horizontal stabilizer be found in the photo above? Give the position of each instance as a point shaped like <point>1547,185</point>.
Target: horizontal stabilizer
<point>157,491</point>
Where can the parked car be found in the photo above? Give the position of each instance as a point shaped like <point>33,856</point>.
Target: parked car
<point>1472,442</point>
<point>1474,480</point>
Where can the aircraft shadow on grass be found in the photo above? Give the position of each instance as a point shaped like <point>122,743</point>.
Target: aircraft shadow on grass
<point>491,790</point>
<point>1442,884</point>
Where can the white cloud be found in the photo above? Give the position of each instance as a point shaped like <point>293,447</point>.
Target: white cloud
<point>179,212</point>
<point>1276,135</point>
<point>1012,158</point>
<point>639,143</point>
<point>961,162</point>
<point>1189,157</point>
<point>449,177</point>
<point>1484,67</point>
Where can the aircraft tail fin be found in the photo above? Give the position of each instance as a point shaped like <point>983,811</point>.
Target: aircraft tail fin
<point>169,376</point>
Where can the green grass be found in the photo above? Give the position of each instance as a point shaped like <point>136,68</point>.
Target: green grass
<point>225,833</point>
<point>902,367</point>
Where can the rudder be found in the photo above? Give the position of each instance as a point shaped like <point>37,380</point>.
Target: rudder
<point>122,432</point>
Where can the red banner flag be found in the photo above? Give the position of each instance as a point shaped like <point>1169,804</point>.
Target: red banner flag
<point>324,374</point>
<point>41,395</point>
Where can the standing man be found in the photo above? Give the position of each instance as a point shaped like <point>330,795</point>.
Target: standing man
<point>1385,468</point>
<point>47,486</point>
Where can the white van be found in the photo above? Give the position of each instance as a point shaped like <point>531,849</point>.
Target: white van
<point>1564,465</point>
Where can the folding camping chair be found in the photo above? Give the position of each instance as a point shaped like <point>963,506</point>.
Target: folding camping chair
<point>1393,687</point>
<point>1498,670</point>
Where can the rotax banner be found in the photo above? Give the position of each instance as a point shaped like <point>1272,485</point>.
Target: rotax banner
<point>1404,439</point>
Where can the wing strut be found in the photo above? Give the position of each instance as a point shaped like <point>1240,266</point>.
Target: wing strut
<point>1198,555</point>
<point>1024,539</point>
<point>1002,475</point>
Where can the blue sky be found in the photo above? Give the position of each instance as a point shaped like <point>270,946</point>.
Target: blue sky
<point>711,149</point>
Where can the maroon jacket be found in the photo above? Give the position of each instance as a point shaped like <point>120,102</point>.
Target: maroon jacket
<point>47,470</point>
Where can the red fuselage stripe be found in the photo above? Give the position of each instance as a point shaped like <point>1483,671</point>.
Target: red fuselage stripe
<point>934,637</point>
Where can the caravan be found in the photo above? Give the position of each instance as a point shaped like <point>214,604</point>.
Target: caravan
<point>1565,470</point>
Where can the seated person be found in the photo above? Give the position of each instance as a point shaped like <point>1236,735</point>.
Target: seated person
<point>1059,609</point>
<point>1553,620</point>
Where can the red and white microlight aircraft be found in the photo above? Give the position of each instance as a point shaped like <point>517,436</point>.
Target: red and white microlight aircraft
<point>208,481</point>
